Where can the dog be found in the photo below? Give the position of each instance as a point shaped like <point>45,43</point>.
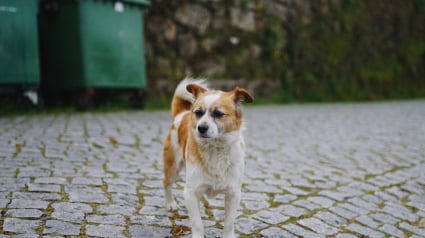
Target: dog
<point>206,138</point>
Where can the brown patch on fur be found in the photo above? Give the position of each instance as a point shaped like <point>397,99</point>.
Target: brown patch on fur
<point>241,95</point>
<point>195,89</point>
<point>182,133</point>
<point>170,167</point>
<point>178,106</point>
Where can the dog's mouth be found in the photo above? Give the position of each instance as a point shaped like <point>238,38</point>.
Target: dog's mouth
<point>202,136</point>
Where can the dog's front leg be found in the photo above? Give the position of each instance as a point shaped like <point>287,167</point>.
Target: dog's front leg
<point>232,200</point>
<point>192,203</point>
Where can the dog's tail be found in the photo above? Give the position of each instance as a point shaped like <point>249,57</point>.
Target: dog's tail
<point>183,99</point>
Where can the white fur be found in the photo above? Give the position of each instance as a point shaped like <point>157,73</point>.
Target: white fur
<point>224,163</point>
<point>210,99</point>
<point>181,91</point>
<point>207,119</point>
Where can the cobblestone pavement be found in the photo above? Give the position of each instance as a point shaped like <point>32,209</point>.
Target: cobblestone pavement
<point>327,170</point>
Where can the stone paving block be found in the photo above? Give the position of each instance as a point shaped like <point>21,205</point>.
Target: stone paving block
<point>54,227</point>
<point>343,212</point>
<point>75,216</point>
<point>365,187</point>
<point>301,232</point>
<point>149,231</point>
<point>367,221</point>
<point>322,201</point>
<point>51,180</point>
<point>345,235</point>
<point>292,211</point>
<point>20,236</point>
<point>248,226</point>
<point>296,191</point>
<point>270,217</point>
<point>330,218</point>
<point>414,229</point>
<point>397,192</point>
<point>116,209</point>
<point>306,204</point>
<point>385,196</point>
<point>338,196</point>
<point>4,203</point>
<point>37,196</point>
<point>400,212</point>
<point>87,181</point>
<point>72,207</point>
<point>384,218</point>
<point>417,202</point>
<point>24,213</point>
<point>120,188</point>
<point>262,189</point>
<point>318,226</point>
<point>255,205</point>
<point>125,199</point>
<point>363,230</point>
<point>87,197</point>
<point>391,230</point>
<point>105,230</point>
<point>4,195</point>
<point>363,204</point>
<point>413,187</point>
<point>21,226</point>
<point>151,220</point>
<point>371,198</point>
<point>283,198</point>
<point>12,184</point>
<point>354,209</point>
<point>415,236</point>
<point>33,187</point>
<point>117,220</point>
<point>153,201</point>
<point>151,183</point>
<point>24,203</point>
<point>149,210</point>
<point>274,232</point>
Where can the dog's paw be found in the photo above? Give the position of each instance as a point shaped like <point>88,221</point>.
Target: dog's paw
<point>172,206</point>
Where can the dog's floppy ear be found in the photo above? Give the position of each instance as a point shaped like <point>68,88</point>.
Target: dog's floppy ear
<point>195,89</point>
<point>241,95</point>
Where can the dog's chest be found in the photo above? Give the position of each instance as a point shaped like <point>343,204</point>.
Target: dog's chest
<point>222,167</point>
<point>218,161</point>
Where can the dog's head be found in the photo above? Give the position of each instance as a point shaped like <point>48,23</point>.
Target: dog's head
<point>215,113</point>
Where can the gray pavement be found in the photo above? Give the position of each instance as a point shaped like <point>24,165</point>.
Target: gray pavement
<point>326,170</point>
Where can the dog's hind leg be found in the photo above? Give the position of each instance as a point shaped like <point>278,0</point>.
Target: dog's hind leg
<point>171,173</point>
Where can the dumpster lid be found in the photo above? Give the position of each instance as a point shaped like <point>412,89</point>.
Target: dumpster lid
<point>141,2</point>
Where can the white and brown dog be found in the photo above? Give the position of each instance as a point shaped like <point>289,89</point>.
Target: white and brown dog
<point>206,138</point>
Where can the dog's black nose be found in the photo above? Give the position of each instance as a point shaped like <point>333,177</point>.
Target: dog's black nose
<point>203,128</point>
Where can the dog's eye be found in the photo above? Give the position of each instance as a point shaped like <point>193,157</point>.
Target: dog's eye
<point>217,114</point>
<point>199,113</point>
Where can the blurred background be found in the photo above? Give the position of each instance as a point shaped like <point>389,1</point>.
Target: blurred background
<point>283,51</point>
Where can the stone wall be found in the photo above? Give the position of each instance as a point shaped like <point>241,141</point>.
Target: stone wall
<point>217,39</point>
<point>314,50</point>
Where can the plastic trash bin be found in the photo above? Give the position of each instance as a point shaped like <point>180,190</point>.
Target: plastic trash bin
<point>92,44</point>
<point>19,55</point>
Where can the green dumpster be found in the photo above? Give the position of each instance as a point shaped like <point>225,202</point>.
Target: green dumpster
<point>92,44</point>
<point>19,58</point>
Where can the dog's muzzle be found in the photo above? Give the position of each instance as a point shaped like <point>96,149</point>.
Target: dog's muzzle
<point>203,129</point>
